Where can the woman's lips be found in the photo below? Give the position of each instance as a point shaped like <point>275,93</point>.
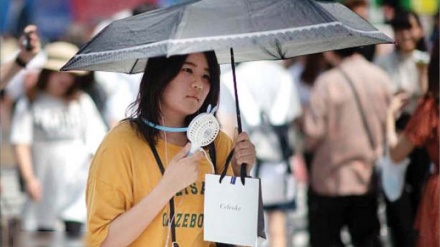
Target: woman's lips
<point>193,97</point>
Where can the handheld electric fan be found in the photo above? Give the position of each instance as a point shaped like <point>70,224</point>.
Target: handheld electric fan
<point>202,130</point>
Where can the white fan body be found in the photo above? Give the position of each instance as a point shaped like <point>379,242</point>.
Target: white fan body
<point>202,130</point>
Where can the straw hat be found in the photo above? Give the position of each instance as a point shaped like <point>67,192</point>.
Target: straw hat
<point>58,54</point>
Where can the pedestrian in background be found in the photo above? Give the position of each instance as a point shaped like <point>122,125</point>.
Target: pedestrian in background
<point>346,138</point>
<point>55,130</point>
<point>407,68</point>
<point>422,130</point>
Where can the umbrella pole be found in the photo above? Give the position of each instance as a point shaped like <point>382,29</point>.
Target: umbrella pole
<point>237,109</point>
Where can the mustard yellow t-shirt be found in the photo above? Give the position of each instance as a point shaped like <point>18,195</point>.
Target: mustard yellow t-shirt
<point>124,170</point>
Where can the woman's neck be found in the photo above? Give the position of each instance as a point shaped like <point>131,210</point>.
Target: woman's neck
<point>174,122</point>
<point>176,138</point>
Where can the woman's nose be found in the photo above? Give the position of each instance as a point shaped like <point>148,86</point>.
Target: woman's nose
<point>197,84</point>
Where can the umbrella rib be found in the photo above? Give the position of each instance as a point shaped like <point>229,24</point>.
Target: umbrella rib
<point>134,65</point>
<point>278,53</point>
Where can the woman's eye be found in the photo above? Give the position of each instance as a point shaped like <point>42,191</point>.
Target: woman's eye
<point>187,70</point>
<point>207,77</point>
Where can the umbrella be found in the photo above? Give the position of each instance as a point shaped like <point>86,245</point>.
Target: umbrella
<point>255,29</point>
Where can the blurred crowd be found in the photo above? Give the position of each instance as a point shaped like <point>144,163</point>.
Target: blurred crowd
<point>346,109</point>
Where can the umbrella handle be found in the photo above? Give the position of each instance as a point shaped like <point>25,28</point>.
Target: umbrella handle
<point>243,168</point>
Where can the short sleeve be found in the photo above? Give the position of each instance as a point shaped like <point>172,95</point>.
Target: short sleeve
<point>100,213</point>
<point>108,193</point>
<point>423,121</point>
<point>22,123</point>
<point>105,201</point>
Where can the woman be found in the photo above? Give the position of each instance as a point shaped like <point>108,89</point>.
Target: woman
<point>422,130</point>
<point>127,194</point>
<point>55,130</point>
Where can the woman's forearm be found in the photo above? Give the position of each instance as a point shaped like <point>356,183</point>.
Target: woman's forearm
<point>24,160</point>
<point>391,135</point>
<point>401,149</point>
<point>128,226</point>
<point>399,145</point>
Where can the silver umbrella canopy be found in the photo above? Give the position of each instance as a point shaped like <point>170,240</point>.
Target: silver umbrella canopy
<point>255,29</point>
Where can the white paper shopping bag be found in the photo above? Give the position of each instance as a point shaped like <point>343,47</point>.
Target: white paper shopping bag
<point>231,210</point>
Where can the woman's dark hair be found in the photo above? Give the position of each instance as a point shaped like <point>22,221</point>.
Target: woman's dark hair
<point>159,72</point>
<point>314,64</point>
<point>43,80</point>
<point>346,52</point>
<point>402,20</point>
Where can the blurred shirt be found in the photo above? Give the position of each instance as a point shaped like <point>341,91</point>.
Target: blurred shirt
<point>343,158</point>
<point>262,86</point>
<point>404,74</point>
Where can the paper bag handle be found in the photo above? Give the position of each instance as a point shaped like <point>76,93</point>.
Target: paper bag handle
<point>225,169</point>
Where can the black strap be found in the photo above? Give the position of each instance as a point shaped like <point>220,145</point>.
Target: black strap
<point>171,203</point>
<point>212,155</point>
<point>364,119</point>
<point>225,169</point>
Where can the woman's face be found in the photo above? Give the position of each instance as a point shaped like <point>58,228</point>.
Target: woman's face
<point>185,94</point>
<point>407,38</point>
<point>59,83</point>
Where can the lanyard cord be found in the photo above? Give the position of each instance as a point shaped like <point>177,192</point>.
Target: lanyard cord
<point>171,203</point>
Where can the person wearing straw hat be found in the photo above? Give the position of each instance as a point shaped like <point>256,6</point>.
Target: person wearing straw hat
<point>55,130</point>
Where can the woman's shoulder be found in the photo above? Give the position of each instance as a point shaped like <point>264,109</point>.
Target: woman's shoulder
<point>123,132</point>
<point>222,137</point>
<point>223,142</point>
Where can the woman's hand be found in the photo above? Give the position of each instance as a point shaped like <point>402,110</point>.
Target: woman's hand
<point>33,188</point>
<point>398,101</point>
<point>183,170</point>
<point>244,153</point>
